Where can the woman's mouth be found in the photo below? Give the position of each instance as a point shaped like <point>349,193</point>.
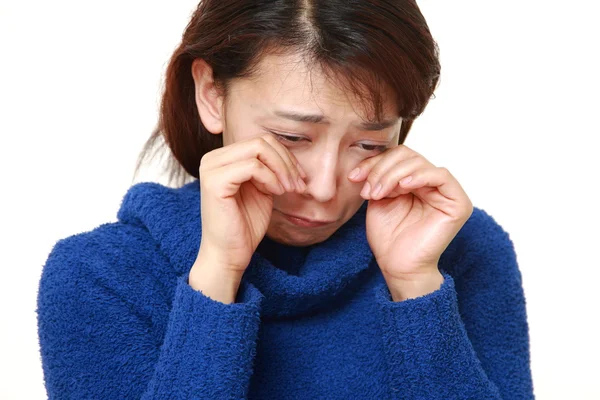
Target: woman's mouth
<point>305,222</point>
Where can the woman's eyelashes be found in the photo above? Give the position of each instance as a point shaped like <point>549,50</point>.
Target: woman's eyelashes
<point>373,147</point>
<point>288,138</point>
<point>297,139</point>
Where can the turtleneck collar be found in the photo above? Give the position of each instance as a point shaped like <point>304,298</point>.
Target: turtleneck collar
<point>293,280</point>
<point>281,256</point>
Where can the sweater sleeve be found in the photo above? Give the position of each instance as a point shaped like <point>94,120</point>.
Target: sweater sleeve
<point>467,344</point>
<point>95,344</point>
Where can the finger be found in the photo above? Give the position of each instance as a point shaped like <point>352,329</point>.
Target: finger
<point>439,178</point>
<point>293,161</point>
<point>381,162</point>
<point>225,181</point>
<point>381,185</point>
<point>289,158</point>
<point>295,182</point>
<point>256,147</point>
<point>364,167</point>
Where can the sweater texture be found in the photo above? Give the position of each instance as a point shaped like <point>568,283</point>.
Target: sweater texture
<point>117,318</point>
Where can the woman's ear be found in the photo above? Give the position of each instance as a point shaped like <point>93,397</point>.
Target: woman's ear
<point>208,99</point>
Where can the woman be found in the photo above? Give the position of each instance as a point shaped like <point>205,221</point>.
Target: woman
<point>326,260</point>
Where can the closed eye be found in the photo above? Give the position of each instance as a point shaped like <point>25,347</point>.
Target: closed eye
<point>293,139</point>
<point>363,146</point>
<point>373,147</point>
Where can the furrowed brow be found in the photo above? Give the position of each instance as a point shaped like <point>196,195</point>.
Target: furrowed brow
<point>321,119</point>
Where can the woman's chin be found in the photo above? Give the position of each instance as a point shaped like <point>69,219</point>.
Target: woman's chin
<point>296,237</point>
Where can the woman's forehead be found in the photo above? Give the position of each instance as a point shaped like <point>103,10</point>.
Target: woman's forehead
<point>285,86</point>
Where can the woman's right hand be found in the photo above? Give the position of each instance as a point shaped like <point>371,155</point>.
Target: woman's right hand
<point>237,184</point>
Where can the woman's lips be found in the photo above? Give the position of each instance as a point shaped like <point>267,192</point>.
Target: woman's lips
<point>305,222</point>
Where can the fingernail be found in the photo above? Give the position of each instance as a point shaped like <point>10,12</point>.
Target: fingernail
<point>376,190</point>
<point>366,190</point>
<point>406,180</point>
<point>354,173</point>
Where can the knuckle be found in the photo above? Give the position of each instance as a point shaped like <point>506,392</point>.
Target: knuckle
<point>384,181</point>
<point>207,182</point>
<point>267,137</point>
<point>255,163</point>
<point>203,166</point>
<point>403,149</point>
<point>375,175</point>
<point>204,160</point>
<point>260,143</point>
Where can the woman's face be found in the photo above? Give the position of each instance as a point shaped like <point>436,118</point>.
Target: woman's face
<point>328,145</point>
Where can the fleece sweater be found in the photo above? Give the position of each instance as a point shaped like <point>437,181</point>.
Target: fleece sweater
<point>117,318</point>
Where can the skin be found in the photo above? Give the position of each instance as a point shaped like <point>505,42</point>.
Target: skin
<point>408,225</point>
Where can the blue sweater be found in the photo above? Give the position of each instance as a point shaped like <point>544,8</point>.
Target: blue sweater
<point>117,318</point>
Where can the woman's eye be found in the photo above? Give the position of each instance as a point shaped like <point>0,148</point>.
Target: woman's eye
<point>287,138</point>
<point>373,147</point>
<point>363,146</point>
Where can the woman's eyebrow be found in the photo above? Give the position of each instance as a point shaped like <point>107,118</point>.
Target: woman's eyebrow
<point>321,119</point>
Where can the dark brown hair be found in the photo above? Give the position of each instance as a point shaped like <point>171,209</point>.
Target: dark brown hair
<point>370,44</point>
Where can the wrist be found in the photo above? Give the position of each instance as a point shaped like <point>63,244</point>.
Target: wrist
<point>209,255</point>
<point>404,288</point>
<point>213,280</point>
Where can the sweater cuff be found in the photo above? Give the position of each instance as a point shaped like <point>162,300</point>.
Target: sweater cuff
<point>248,297</point>
<point>417,323</point>
<point>420,304</point>
<point>426,346</point>
<point>209,346</point>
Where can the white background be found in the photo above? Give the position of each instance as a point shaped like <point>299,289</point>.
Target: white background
<point>514,119</point>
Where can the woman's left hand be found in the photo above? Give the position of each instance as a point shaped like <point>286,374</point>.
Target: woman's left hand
<point>410,224</point>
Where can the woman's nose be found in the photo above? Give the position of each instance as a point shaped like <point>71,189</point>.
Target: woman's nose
<point>322,180</point>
